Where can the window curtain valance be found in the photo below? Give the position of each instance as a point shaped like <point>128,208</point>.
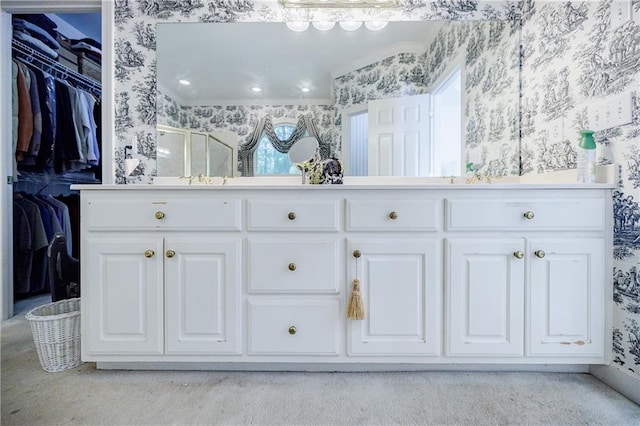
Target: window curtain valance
<point>305,125</point>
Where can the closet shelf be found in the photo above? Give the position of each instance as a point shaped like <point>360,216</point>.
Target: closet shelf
<point>29,55</point>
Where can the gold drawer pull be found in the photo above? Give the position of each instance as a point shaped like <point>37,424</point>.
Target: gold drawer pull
<point>529,215</point>
<point>518,254</point>
<point>170,253</point>
<point>159,215</point>
<point>291,216</point>
<point>393,215</point>
<point>292,330</point>
<point>292,266</point>
<point>539,254</point>
<point>149,253</point>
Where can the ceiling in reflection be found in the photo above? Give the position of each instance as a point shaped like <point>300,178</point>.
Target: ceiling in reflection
<point>222,62</point>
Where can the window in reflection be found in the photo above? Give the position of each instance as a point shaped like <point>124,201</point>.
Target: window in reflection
<point>446,104</point>
<point>268,161</point>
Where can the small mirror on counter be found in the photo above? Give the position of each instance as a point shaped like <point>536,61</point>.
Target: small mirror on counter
<point>306,149</point>
<point>303,150</point>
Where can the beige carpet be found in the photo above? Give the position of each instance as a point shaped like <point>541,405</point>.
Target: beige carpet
<point>84,395</point>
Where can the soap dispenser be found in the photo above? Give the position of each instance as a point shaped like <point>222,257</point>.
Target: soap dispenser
<point>586,157</point>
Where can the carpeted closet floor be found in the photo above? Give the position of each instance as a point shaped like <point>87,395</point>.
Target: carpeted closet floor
<point>84,395</point>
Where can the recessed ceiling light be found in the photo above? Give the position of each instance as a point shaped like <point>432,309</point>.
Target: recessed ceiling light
<point>256,89</point>
<point>184,82</point>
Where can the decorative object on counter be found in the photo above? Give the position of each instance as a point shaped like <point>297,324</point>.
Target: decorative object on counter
<point>328,172</point>
<point>586,157</point>
<point>355,308</point>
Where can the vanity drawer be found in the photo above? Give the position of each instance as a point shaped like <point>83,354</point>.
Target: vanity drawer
<point>294,327</point>
<point>293,215</point>
<point>164,213</point>
<point>541,214</point>
<point>393,215</point>
<point>296,265</point>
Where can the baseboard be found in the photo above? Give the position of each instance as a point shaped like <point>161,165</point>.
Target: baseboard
<point>330,367</point>
<point>619,379</point>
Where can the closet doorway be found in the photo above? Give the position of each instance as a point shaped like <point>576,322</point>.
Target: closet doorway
<point>50,184</point>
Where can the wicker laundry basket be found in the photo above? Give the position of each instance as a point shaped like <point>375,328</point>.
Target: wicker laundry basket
<point>56,333</point>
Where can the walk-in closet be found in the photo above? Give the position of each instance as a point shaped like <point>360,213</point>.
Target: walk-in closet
<point>56,136</point>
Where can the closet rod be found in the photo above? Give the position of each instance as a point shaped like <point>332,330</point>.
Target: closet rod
<point>30,55</point>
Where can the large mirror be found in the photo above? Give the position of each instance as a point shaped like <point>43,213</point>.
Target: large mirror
<point>417,98</point>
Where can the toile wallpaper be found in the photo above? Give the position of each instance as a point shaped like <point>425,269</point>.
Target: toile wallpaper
<point>490,51</point>
<point>241,119</point>
<point>572,56</point>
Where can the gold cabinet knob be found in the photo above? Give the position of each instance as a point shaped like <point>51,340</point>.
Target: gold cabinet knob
<point>292,266</point>
<point>357,254</point>
<point>518,254</point>
<point>529,215</point>
<point>149,253</point>
<point>291,216</point>
<point>159,215</point>
<point>292,330</point>
<point>171,253</point>
<point>539,253</point>
<point>393,215</point>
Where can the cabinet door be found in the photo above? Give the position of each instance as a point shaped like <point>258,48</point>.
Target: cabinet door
<point>567,297</point>
<point>203,286</point>
<point>123,289</point>
<point>484,293</point>
<point>400,283</point>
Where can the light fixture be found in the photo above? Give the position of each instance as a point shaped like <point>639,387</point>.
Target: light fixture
<point>256,89</point>
<point>305,89</point>
<point>337,4</point>
<point>323,25</point>
<point>184,82</point>
<point>350,25</point>
<point>298,26</point>
<point>375,25</point>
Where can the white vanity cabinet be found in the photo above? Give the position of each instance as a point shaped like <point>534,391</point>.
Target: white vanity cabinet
<point>260,276</point>
<point>541,291</point>
<point>162,278</point>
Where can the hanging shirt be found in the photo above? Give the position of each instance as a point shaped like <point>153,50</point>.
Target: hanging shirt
<point>25,113</point>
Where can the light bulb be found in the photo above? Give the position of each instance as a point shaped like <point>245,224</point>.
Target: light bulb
<point>323,25</point>
<point>375,25</point>
<point>350,25</point>
<point>184,82</point>
<point>256,89</point>
<point>298,26</point>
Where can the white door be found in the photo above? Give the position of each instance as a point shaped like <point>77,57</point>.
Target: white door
<point>399,136</point>
<point>484,297</point>
<point>203,286</point>
<point>123,296</point>
<point>400,284</point>
<point>567,292</point>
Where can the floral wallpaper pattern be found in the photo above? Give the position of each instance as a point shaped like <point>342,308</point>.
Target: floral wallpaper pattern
<point>573,59</point>
<point>572,56</point>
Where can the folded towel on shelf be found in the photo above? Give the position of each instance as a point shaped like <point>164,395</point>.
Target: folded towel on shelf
<point>40,20</point>
<point>34,43</point>
<point>87,46</point>
<point>37,32</point>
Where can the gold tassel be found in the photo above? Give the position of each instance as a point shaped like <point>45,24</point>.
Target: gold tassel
<point>355,307</point>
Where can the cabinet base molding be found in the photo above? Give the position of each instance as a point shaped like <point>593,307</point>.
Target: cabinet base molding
<point>340,367</point>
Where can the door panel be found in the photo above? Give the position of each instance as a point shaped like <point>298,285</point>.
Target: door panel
<point>485,297</point>
<point>399,136</point>
<point>202,295</point>
<point>566,297</point>
<point>401,291</point>
<point>125,297</point>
